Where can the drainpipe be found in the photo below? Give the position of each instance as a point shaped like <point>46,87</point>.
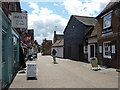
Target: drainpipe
<point>0,49</point>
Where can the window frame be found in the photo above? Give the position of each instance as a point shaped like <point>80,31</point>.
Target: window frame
<point>104,48</point>
<point>85,48</point>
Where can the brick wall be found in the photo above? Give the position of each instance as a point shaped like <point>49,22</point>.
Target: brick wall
<point>114,38</point>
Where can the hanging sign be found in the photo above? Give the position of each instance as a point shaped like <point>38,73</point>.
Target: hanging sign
<point>19,20</point>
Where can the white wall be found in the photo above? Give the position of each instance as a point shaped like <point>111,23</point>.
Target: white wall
<point>59,51</point>
<point>88,52</point>
<point>0,47</point>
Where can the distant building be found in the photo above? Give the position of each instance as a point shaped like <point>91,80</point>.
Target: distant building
<point>109,35</point>
<point>46,47</point>
<point>58,45</point>
<point>74,36</point>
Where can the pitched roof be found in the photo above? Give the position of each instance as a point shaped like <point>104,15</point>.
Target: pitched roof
<point>59,36</point>
<point>88,30</point>
<point>58,43</point>
<point>93,31</point>
<point>89,21</point>
<point>109,6</point>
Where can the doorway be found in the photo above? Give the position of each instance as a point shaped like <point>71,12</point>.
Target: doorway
<point>92,50</point>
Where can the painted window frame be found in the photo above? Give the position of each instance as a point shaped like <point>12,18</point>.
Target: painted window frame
<point>108,50</point>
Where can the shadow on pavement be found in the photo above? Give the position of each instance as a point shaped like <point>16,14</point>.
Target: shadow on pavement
<point>31,78</point>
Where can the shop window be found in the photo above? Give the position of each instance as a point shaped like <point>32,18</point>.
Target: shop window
<point>15,45</point>
<point>3,47</point>
<point>107,49</point>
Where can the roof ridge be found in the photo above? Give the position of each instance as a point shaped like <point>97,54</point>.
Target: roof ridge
<point>83,16</point>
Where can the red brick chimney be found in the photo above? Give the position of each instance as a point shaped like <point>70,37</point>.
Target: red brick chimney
<point>54,40</point>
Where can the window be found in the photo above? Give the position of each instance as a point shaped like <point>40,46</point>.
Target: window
<point>107,21</point>
<point>9,7</point>
<point>15,7</point>
<point>107,49</point>
<point>85,49</point>
<point>3,46</point>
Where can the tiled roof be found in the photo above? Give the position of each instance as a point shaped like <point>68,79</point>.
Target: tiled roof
<point>58,43</point>
<point>59,36</point>
<point>87,30</point>
<point>93,31</point>
<point>90,21</point>
<point>110,5</point>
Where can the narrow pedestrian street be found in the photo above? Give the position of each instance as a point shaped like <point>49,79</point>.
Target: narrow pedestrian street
<point>66,74</point>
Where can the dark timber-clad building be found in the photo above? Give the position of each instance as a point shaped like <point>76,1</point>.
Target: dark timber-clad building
<point>74,36</point>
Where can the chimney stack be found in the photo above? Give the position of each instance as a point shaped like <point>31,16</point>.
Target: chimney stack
<point>54,37</point>
<point>54,33</point>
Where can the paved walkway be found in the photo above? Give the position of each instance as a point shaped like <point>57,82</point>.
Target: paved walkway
<point>66,74</point>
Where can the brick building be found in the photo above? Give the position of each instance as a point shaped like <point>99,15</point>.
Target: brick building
<point>46,47</point>
<point>109,35</point>
<point>9,7</point>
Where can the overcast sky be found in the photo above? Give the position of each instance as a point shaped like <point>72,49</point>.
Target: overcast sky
<point>44,16</point>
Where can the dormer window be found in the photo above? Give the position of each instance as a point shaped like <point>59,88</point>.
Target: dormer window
<point>107,21</point>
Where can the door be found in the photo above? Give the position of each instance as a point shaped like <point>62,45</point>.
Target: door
<point>92,51</point>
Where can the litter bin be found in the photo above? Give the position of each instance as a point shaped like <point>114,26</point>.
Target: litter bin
<point>94,63</point>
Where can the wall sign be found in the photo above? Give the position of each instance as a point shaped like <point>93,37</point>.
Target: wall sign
<point>19,20</point>
<point>113,49</point>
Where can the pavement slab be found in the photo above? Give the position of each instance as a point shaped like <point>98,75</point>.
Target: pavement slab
<point>66,74</point>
